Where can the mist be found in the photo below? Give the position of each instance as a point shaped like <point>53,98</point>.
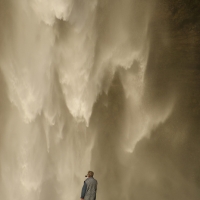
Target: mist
<point>100,85</point>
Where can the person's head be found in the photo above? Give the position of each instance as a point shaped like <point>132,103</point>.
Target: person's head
<point>90,174</point>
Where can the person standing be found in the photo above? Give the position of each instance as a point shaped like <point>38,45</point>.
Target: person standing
<point>89,188</point>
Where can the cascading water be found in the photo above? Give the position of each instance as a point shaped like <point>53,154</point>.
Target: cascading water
<point>73,87</point>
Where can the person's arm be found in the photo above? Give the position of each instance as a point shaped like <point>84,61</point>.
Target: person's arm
<point>96,186</point>
<point>84,188</point>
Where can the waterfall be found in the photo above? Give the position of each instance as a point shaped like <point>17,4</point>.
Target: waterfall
<point>64,65</point>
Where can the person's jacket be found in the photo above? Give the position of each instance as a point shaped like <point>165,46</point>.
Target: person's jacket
<point>89,189</point>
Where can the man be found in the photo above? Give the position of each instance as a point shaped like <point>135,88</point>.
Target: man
<point>89,187</point>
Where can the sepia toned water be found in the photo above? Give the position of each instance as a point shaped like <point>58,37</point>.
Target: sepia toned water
<point>82,89</point>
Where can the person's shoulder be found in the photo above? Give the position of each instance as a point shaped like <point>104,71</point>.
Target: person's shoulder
<point>95,179</point>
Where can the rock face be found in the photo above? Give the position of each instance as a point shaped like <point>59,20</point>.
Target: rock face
<point>175,34</point>
<point>185,13</point>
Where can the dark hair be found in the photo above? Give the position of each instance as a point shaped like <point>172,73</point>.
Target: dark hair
<point>90,173</point>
